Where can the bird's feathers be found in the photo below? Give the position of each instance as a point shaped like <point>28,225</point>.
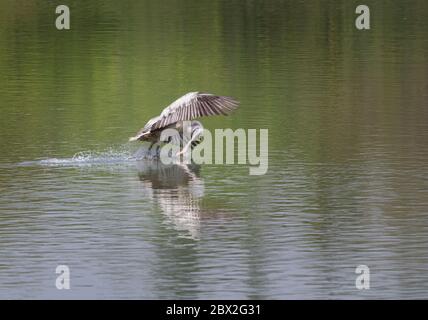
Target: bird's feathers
<point>190,106</point>
<point>193,105</point>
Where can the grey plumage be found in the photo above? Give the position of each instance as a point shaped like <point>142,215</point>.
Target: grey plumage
<point>190,106</point>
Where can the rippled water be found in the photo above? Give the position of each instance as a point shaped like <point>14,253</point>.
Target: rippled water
<point>347,183</point>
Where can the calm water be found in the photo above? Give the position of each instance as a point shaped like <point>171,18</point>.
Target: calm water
<point>347,184</point>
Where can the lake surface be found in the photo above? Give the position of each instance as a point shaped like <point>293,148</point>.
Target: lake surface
<point>347,183</point>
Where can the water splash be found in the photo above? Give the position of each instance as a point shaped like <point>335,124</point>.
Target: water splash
<point>111,156</point>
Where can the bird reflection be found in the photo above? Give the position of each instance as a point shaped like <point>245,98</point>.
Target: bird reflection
<point>178,190</point>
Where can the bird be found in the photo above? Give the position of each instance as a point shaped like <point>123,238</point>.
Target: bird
<point>186,108</point>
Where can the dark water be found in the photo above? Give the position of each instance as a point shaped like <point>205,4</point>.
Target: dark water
<point>347,183</point>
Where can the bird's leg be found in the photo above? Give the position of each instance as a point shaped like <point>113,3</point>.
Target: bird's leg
<point>195,136</point>
<point>157,150</point>
<point>186,147</point>
<point>151,145</point>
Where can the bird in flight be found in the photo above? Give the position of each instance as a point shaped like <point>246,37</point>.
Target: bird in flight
<point>187,108</point>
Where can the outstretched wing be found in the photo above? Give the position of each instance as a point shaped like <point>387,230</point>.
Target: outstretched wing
<point>190,106</point>
<point>194,105</point>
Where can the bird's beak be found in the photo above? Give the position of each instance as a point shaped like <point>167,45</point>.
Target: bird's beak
<point>139,136</point>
